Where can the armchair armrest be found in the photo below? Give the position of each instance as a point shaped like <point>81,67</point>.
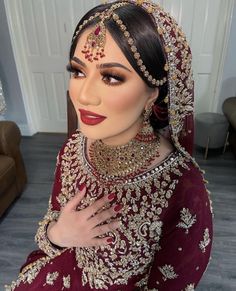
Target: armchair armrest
<point>10,137</point>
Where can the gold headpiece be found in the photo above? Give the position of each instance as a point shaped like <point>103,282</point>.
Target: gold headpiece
<point>96,40</point>
<point>95,43</point>
<point>180,94</point>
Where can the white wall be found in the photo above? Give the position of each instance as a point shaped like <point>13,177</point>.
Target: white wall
<point>8,75</point>
<point>228,88</point>
<point>12,90</point>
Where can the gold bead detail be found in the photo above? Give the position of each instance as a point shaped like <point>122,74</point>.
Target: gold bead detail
<point>166,68</point>
<point>139,2</point>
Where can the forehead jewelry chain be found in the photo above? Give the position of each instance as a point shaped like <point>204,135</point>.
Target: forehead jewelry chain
<point>96,40</point>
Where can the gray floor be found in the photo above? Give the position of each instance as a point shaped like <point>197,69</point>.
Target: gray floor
<point>18,226</point>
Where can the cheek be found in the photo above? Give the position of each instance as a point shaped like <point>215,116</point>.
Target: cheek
<point>72,92</point>
<point>125,102</point>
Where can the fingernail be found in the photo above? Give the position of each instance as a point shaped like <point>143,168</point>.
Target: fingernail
<point>110,240</point>
<point>117,207</point>
<point>81,187</point>
<point>111,196</point>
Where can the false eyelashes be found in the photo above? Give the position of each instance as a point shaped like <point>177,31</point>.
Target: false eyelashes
<point>108,76</point>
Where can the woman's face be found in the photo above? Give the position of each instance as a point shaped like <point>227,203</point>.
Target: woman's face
<point>108,95</point>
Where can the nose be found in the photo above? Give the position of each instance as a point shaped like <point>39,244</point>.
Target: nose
<point>89,93</point>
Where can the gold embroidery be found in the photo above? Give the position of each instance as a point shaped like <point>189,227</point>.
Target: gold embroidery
<point>168,272</point>
<point>143,198</point>
<point>29,273</point>
<point>66,282</point>
<point>57,162</point>
<point>142,284</point>
<point>50,278</point>
<point>187,218</point>
<point>41,236</point>
<point>206,240</point>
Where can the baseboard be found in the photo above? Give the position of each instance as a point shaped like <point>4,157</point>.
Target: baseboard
<point>25,130</point>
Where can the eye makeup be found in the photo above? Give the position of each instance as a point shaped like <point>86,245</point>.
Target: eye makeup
<point>74,71</point>
<point>109,76</point>
<point>112,78</point>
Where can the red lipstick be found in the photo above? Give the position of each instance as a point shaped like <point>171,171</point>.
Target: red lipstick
<point>90,118</point>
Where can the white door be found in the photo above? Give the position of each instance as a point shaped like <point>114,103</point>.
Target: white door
<point>41,31</point>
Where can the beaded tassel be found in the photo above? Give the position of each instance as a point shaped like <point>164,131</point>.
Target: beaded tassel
<point>95,43</point>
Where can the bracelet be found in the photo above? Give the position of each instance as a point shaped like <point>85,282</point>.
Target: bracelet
<point>42,239</point>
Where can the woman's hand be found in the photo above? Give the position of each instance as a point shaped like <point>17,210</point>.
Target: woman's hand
<point>81,228</point>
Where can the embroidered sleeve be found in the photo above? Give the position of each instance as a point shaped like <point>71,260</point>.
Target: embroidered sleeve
<point>52,215</point>
<point>41,236</point>
<point>186,239</point>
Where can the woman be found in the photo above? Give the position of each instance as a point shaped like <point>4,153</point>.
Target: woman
<point>129,208</point>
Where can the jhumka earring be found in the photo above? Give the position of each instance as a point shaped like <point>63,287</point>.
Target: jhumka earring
<point>146,132</point>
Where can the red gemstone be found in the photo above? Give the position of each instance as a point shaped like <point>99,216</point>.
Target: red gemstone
<point>97,30</point>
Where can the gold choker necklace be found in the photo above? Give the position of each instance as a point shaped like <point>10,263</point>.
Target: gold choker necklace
<point>125,160</point>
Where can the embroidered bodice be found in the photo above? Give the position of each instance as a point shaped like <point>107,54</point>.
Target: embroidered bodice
<point>165,231</point>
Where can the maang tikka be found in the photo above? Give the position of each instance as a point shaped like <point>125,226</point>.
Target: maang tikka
<point>96,40</point>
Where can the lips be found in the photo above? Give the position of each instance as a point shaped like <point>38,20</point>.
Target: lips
<point>90,118</point>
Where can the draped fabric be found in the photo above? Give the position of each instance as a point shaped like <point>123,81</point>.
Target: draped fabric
<point>164,242</point>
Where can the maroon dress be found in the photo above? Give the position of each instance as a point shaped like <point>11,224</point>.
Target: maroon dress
<point>164,241</point>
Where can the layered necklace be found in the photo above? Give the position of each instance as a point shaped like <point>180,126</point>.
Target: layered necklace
<point>127,160</point>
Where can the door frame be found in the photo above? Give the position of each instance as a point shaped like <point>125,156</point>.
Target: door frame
<point>27,86</point>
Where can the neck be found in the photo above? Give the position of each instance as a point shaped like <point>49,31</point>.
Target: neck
<point>123,137</point>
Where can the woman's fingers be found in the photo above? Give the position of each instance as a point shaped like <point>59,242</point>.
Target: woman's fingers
<point>104,215</point>
<point>92,209</point>
<point>83,227</point>
<point>74,202</point>
<point>101,241</point>
<point>102,229</point>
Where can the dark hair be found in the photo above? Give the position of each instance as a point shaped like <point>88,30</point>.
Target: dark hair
<point>144,33</point>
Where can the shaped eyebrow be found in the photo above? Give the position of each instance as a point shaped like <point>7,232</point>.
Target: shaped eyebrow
<point>101,66</point>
